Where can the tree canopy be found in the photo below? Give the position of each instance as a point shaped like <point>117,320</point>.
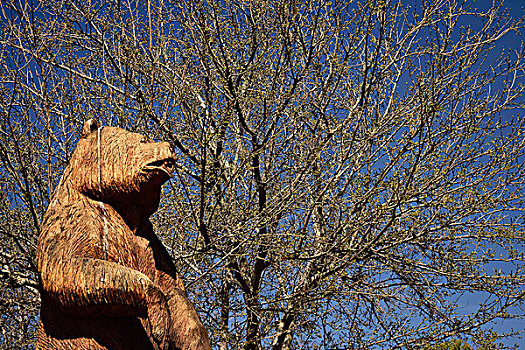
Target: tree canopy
<point>349,173</point>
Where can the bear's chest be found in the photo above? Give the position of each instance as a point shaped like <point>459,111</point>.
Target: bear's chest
<point>123,246</point>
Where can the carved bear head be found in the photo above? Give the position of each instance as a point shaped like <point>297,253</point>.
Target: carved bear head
<point>119,167</point>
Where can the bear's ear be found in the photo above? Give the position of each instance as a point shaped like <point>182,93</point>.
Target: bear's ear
<point>89,126</point>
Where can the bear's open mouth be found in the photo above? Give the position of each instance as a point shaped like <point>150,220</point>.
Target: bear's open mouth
<point>166,166</point>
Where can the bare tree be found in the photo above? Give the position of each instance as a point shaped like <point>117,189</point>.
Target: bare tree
<point>349,172</point>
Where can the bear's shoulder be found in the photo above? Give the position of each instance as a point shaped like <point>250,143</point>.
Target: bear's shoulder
<point>84,228</point>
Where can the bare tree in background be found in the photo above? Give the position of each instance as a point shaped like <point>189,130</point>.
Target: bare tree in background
<point>349,172</point>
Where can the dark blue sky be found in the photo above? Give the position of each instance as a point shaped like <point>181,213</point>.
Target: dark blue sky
<point>516,7</point>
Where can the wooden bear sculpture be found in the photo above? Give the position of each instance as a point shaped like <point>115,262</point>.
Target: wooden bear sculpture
<point>107,280</point>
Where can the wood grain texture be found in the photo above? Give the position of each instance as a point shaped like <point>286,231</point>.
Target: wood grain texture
<point>107,282</point>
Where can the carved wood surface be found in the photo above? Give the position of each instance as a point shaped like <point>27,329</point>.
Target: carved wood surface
<point>107,280</point>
